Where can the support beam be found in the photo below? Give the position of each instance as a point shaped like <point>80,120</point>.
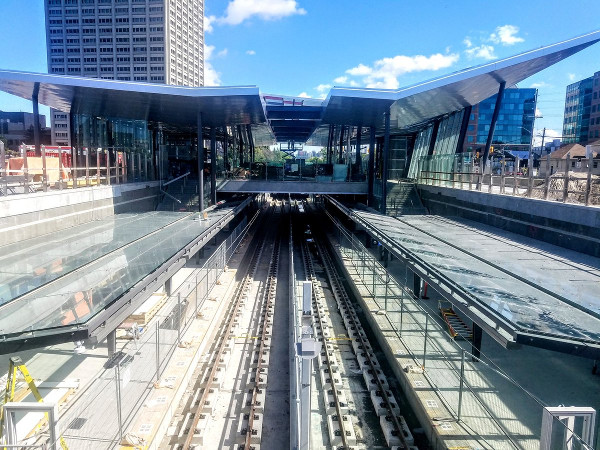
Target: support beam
<point>250,142</point>
<point>239,128</point>
<point>329,144</point>
<point>200,164</point>
<point>416,285</point>
<point>213,166</point>
<point>434,133</point>
<point>111,343</point>
<point>341,152</point>
<point>234,148</point>
<point>384,157</point>
<point>36,120</point>
<point>225,150</point>
<point>358,157</point>
<point>371,172</point>
<point>463,129</point>
<point>488,143</point>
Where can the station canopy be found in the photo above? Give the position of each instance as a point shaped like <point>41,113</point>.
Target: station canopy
<point>275,119</point>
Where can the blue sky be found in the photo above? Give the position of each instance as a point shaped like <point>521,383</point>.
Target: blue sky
<point>303,47</point>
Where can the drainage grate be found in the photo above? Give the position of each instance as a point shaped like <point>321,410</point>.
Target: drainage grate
<point>77,423</point>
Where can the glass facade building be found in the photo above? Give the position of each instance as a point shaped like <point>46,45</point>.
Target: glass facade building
<point>578,104</point>
<point>514,128</point>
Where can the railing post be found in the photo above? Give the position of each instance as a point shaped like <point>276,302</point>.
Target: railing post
<point>481,167</point>
<point>44,170</point>
<point>3,172</point>
<point>566,181</point>
<point>530,172</point>
<point>462,378</point>
<point>179,318</point>
<point>118,386</point>
<point>157,350</point>
<point>98,166</point>
<point>502,172</point>
<point>547,184</point>
<point>588,185</point>
<point>515,170</point>
<point>87,166</point>
<point>108,167</point>
<point>425,340</point>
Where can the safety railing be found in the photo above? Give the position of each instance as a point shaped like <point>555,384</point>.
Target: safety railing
<point>476,392</point>
<point>295,364</point>
<point>578,180</point>
<point>65,168</point>
<point>103,414</point>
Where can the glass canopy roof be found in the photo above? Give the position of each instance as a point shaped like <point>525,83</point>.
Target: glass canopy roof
<point>534,289</point>
<point>65,278</point>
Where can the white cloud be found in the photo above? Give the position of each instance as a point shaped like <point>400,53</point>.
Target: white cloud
<point>506,35</point>
<point>385,72</point>
<point>208,21</point>
<point>468,43</point>
<point>250,52</point>
<point>353,83</point>
<point>222,53</point>
<point>481,51</point>
<point>359,70</point>
<point>240,10</point>
<point>322,96</point>
<point>571,76</point>
<point>211,76</point>
<point>340,80</point>
<point>550,136</point>
<point>323,87</point>
<point>538,113</point>
<point>303,95</point>
<point>541,84</point>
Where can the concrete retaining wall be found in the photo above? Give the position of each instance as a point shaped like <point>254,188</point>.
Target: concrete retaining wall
<point>575,227</point>
<point>30,215</point>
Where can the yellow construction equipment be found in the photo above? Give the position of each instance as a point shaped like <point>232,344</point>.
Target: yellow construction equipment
<point>456,327</point>
<point>16,364</point>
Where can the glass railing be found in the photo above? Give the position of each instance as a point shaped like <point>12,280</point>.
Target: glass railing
<point>297,171</point>
<point>480,399</point>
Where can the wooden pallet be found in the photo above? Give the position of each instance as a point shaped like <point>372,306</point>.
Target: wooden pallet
<point>456,327</point>
<point>149,309</point>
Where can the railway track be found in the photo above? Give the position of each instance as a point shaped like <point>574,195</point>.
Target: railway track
<point>248,324</point>
<point>340,424</point>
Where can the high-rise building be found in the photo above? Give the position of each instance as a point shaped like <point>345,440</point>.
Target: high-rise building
<point>156,41</point>
<point>578,106</point>
<point>514,127</point>
<point>594,131</point>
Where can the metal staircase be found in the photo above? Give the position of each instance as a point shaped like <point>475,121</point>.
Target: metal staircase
<point>403,199</point>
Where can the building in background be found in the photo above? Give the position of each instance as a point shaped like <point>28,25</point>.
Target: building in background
<point>155,41</point>
<point>594,131</point>
<point>578,107</point>
<point>514,128</point>
<point>17,128</point>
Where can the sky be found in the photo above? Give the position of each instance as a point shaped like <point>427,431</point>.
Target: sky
<point>303,47</point>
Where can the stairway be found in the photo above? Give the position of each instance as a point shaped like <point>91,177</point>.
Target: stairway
<point>456,327</point>
<point>403,199</point>
<point>184,190</point>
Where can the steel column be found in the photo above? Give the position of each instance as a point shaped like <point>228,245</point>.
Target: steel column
<point>329,144</point>
<point>386,151</point>
<point>358,144</point>
<point>463,129</point>
<point>250,142</point>
<point>36,119</point>
<point>213,166</point>
<point>340,154</point>
<point>241,151</point>
<point>371,171</point>
<point>111,342</point>
<point>225,150</point>
<point>200,164</point>
<point>488,143</point>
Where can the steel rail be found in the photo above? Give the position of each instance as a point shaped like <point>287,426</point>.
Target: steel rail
<point>310,274</point>
<point>224,338</point>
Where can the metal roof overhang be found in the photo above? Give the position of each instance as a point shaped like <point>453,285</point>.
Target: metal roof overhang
<point>176,105</point>
<point>416,104</point>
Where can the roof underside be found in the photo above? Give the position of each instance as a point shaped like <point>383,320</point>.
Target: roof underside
<point>297,120</point>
